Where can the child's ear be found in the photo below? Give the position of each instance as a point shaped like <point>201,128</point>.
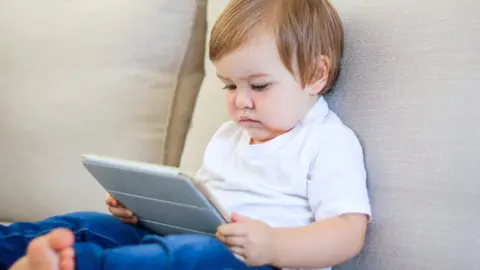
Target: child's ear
<point>320,79</point>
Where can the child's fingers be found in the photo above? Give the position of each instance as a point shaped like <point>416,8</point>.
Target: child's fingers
<point>110,201</point>
<point>120,212</point>
<point>239,257</point>
<point>236,217</point>
<point>234,241</point>
<point>240,251</point>
<point>220,237</point>
<point>132,220</point>
<point>231,240</point>
<point>237,229</point>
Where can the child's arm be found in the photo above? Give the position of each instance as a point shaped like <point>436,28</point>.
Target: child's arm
<point>321,244</point>
<point>318,245</point>
<point>336,190</point>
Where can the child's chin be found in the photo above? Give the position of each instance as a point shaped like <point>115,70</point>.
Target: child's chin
<point>259,137</point>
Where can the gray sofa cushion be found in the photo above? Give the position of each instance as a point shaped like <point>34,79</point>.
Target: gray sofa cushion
<point>410,88</point>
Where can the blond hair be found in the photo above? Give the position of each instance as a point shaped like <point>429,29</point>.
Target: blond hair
<point>304,31</point>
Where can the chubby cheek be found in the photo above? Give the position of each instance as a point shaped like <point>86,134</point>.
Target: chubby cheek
<point>230,104</point>
<point>278,120</point>
<point>276,113</point>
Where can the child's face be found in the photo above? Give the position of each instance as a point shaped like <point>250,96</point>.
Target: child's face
<point>262,96</point>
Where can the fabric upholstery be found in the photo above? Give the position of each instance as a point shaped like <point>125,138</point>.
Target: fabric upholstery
<point>410,89</point>
<point>88,76</point>
<point>190,79</point>
<point>209,111</point>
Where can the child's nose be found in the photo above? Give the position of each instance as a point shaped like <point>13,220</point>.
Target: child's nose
<point>243,99</point>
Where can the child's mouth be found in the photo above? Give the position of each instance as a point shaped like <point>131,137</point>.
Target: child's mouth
<point>247,120</point>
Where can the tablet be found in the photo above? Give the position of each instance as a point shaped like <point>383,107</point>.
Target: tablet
<point>164,199</point>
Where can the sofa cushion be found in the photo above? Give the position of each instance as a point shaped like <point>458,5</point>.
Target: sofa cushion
<point>89,76</point>
<point>410,89</point>
<point>209,111</point>
<point>190,79</point>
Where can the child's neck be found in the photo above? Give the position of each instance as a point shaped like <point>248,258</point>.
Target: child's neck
<point>253,141</point>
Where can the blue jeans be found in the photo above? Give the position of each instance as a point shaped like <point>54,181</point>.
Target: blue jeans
<point>104,242</point>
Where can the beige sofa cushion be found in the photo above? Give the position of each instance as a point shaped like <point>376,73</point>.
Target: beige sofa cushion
<point>410,89</point>
<point>89,76</point>
<point>209,111</point>
<point>191,77</point>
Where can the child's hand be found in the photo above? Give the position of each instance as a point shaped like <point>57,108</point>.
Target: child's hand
<point>119,211</point>
<point>249,239</point>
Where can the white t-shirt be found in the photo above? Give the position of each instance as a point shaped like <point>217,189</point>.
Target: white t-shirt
<point>313,172</point>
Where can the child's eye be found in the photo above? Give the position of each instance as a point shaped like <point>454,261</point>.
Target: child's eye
<point>260,87</point>
<point>230,87</point>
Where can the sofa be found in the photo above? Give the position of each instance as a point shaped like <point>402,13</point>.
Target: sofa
<point>131,79</point>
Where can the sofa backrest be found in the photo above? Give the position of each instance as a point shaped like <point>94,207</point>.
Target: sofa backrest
<point>91,76</point>
<point>410,87</point>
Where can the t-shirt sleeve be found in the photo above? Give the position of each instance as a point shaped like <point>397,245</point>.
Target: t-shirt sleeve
<point>337,181</point>
<point>224,131</point>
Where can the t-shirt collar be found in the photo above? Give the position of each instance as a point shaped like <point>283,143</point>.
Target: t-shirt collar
<point>318,111</point>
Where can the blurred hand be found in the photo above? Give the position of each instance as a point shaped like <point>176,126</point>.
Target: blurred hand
<point>119,211</point>
<point>250,240</point>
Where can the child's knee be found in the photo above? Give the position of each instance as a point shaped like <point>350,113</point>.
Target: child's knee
<point>78,221</point>
<point>88,219</point>
<point>100,228</point>
<point>198,247</point>
<point>195,251</point>
<point>185,243</point>
<point>192,240</point>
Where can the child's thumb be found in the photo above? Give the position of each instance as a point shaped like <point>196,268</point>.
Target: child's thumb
<point>236,217</point>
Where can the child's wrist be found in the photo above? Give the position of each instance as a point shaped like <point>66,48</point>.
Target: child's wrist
<point>274,246</point>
